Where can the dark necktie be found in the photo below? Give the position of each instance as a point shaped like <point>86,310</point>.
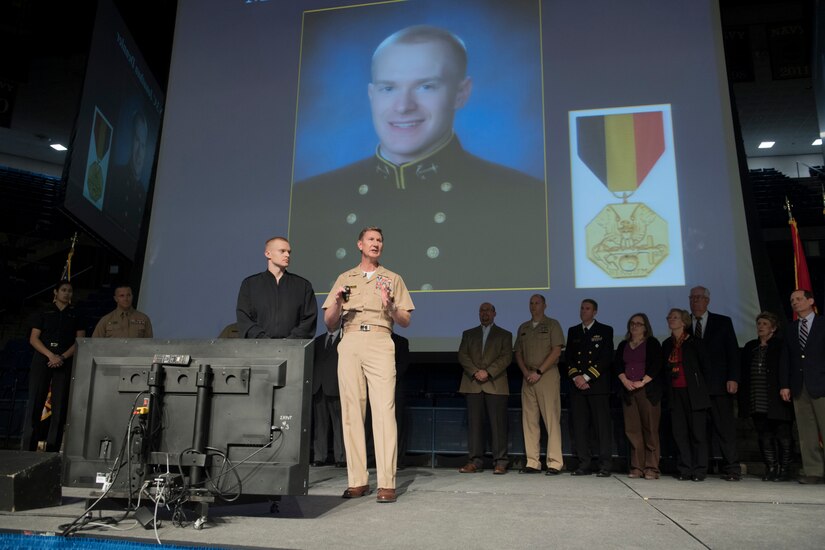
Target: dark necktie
<point>698,331</point>
<point>330,337</point>
<point>803,332</point>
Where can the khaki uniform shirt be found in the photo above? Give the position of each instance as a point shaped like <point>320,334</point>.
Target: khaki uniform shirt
<point>535,344</point>
<point>124,324</point>
<point>364,306</point>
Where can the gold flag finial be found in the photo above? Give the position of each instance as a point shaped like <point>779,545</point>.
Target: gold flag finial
<point>787,207</point>
<point>67,268</point>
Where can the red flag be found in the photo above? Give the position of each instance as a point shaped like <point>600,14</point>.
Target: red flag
<point>802,278</point>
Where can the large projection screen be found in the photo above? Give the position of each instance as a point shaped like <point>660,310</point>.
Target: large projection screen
<point>593,157</point>
<point>115,139</point>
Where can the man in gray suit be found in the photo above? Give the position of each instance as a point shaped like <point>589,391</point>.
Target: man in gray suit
<point>485,353</point>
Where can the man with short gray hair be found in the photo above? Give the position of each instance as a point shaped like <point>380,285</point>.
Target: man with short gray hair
<point>719,339</point>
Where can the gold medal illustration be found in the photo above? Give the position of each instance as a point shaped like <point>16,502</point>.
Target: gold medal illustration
<point>102,133</point>
<point>625,239</point>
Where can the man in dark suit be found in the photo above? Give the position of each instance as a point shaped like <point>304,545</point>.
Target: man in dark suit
<point>402,363</point>
<point>716,332</point>
<point>802,376</point>
<point>485,353</point>
<point>326,401</point>
<point>589,354</point>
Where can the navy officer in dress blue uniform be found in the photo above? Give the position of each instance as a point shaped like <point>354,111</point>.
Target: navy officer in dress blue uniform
<point>449,211</point>
<point>589,354</point>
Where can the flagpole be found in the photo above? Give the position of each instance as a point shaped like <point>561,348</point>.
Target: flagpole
<point>67,268</point>
<point>822,190</point>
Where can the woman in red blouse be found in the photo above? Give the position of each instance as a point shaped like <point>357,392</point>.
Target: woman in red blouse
<point>684,357</point>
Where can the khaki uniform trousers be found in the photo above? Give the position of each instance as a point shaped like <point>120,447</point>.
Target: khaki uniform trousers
<point>542,398</point>
<point>810,421</point>
<point>366,364</point>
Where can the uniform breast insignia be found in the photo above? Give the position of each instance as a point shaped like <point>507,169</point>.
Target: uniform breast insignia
<point>382,282</point>
<point>596,338</point>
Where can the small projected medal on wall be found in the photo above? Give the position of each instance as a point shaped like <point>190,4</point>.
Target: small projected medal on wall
<point>619,154</point>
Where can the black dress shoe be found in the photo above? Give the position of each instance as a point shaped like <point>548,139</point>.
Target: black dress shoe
<point>317,464</point>
<point>810,480</point>
<point>731,476</point>
<point>603,473</point>
<point>529,470</point>
<point>580,472</point>
<point>552,472</point>
<point>684,477</point>
<point>340,464</point>
<point>699,477</point>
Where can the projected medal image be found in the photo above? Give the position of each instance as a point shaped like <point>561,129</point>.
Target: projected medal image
<point>625,198</point>
<point>452,215</point>
<point>97,164</point>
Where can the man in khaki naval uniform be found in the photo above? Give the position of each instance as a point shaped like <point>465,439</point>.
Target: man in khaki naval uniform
<point>365,302</point>
<point>125,321</point>
<point>538,347</point>
<point>485,353</point>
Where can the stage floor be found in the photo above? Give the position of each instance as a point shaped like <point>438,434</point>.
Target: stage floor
<point>440,508</point>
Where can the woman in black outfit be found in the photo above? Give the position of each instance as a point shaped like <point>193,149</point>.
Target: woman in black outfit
<point>53,336</point>
<point>685,365</point>
<point>638,362</point>
<point>759,398</point>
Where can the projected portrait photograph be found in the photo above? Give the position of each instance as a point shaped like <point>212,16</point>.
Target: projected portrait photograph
<point>425,119</point>
<point>126,196</point>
